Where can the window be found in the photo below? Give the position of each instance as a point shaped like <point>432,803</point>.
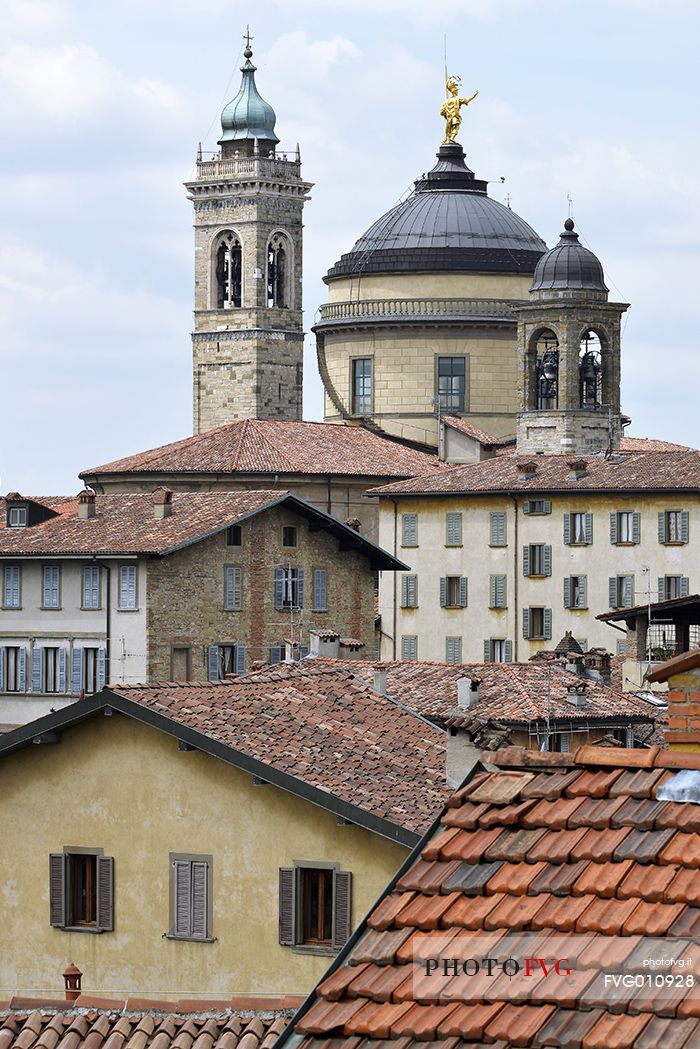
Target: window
<point>409,647</point>
<point>362,386</point>
<point>576,591</point>
<point>578,529</point>
<point>49,669</point>
<point>127,587</point>
<point>93,669</point>
<point>454,591</point>
<point>233,535</point>
<point>624,527</point>
<point>498,528</point>
<point>621,646</point>
<point>276,653</point>
<point>17,517</point>
<point>180,663</point>
<point>453,527</point>
<point>537,624</point>
<point>289,536</point>
<point>81,890</point>
<point>277,292</point>
<point>621,591</point>
<point>14,668</point>
<point>451,383</point>
<point>320,590</point>
<point>409,591</point>
<point>11,586</point>
<point>673,526</point>
<point>91,586</point>
<point>51,592</point>
<point>315,905</point>
<point>453,650</point>
<point>225,659</point>
<point>228,272</point>
<point>190,897</point>
<point>498,592</point>
<point>671,586</point>
<point>498,650</point>
<point>233,588</point>
<point>289,587</point>
<point>537,506</point>
<point>537,560</point>
<point>409,529</point>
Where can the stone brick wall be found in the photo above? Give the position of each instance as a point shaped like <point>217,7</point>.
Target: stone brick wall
<point>684,711</point>
<point>186,591</point>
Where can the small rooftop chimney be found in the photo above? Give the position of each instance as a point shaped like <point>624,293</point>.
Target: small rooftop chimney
<point>325,643</point>
<point>162,503</point>
<point>576,694</point>
<point>468,692</point>
<point>379,685</point>
<point>579,468</point>
<point>72,977</point>
<point>86,504</point>
<point>526,469</point>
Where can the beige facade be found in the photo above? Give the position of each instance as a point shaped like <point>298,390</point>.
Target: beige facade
<point>125,788</point>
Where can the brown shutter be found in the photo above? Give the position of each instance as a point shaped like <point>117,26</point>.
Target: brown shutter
<point>200,876</point>
<point>57,889</point>
<point>287,917</point>
<point>342,908</point>
<point>105,893</point>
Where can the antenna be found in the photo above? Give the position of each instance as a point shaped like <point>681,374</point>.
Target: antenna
<point>508,200</point>
<point>444,48</point>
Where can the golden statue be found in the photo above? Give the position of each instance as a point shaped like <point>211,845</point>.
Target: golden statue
<point>450,108</point>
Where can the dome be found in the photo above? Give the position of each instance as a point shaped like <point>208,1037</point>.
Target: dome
<point>569,266</point>
<point>448,223</point>
<point>248,116</point>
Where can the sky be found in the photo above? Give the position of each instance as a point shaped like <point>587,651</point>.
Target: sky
<point>102,105</point>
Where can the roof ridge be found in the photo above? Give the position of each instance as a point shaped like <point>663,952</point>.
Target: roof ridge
<point>237,453</point>
<point>290,464</point>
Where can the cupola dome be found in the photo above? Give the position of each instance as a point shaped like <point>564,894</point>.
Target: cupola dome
<point>248,116</point>
<point>569,266</point>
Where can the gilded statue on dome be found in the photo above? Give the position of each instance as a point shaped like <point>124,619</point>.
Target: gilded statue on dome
<point>451,106</point>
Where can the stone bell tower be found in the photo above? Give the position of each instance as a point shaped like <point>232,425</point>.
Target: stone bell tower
<point>569,355</point>
<point>248,339</point>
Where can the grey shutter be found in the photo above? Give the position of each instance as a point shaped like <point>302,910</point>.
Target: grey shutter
<point>287,906</point>
<point>22,670</point>
<point>303,651</point>
<point>182,919</point>
<point>200,903</point>
<point>487,650</point>
<point>662,526</point>
<point>36,669</point>
<point>76,670</point>
<point>612,591</point>
<point>526,623</point>
<point>57,889</point>
<point>213,662</point>
<point>342,908</point>
<point>105,893</point>
<point>613,529</point>
<point>240,659</point>
<point>636,526</point>
<point>662,588</point>
<point>567,591</point>
<point>684,526</point>
<point>101,666</point>
<point>501,591</point>
<point>443,592</point>
<point>493,596</point>
<point>526,560</point>
<point>454,529</point>
<point>279,588</point>
<point>463,591</point>
<point>409,528</point>
<point>546,509</point>
<point>547,617</point>
<point>229,587</point>
<point>498,528</point>
<point>2,669</point>
<point>276,653</point>
<point>526,506</point>
<point>589,527</point>
<point>567,529</point>
<point>62,661</point>
<point>300,588</point>
<point>685,586</point>
<point>628,591</point>
<point>583,591</point>
<point>547,561</point>
<point>320,590</point>
<point>509,651</point>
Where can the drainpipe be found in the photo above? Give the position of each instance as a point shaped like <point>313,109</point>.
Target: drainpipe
<point>396,518</point>
<point>515,578</point>
<point>108,572</point>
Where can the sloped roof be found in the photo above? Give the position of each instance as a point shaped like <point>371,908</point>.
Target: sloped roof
<point>270,446</point>
<point>669,605</point>
<point>465,427</point>
<point>542,847</point>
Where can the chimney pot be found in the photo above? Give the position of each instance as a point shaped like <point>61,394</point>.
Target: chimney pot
<point>162,503</point>
<point>72,978</point>
<point>468,692</point>
<point>380,682</point>
<point>86,504</point>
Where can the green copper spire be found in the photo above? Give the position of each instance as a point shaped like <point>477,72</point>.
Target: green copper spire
<point>248,116</point>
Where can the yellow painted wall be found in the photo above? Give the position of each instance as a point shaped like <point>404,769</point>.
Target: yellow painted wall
<point>115,784</point>
<point>430,285</point>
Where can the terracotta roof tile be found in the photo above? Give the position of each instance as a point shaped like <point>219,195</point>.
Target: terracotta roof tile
<point>427,877</point>
<point>652,919</point>
<point>514,845</point>
<point>553,814</point>
<point>678,815</point>
<point>425,912</point>
<point>599,845</point>
<point>558,879</point>
<point>643,846</point>
<point>514,878</point>
<point>556,845</point>
<point>616,1032</point>
<point>470,845</point>
<point>637,783</point>
<point>516,1024</point>
<point>469,1022</point>
<point>687,924</point>
<point>593,783</point>
<point>640,813</point>
<point>379,947</point>
<point>566,1027</point>
<point>665,1033</point>
<point>469,912</point>
<point>467,817</point>
<point>560,913</point>
<point>514,912</point>
<point>682,848</point>
<point>550,785</point>
<point>470,878</point>
<point>595,812</point>
<point>506,815</point>
<point>647,882</point>
<point>383,916</point>
<point>685,888</point>
<point>601,879</point>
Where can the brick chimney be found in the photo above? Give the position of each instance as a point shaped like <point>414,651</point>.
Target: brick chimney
<point>86,504</point>
<point>682,673</point>
<point>162,503</point>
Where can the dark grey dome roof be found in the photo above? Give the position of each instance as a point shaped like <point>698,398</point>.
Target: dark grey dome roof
<point>447,224</point>
<point>569,266</point>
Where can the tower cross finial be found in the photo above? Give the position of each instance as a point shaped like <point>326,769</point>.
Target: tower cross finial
<point>247,37</point>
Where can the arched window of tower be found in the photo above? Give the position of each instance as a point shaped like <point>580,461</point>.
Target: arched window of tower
<point>278,272</point>
<point>546,391</point>
<point>590,370</point>
<point>228,270</point>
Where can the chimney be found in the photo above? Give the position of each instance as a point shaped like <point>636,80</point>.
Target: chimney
<point>86,504</point>
<point>596,663</point>
<point>468,692</point>
<point>350,648</point>
<point>325,643</point>
<point>576,694</point>
<point>379,684</point>
<point>162,503</point>
<point>579,469</point>
<point>526,470</point>
<point>462,754</point>
<point>72,977</point>
<point>682,675</point>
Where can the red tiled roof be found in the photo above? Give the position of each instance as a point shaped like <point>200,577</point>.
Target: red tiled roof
<point>542,847</point>
<point>320,725</point>
<point>651,444</point>
<point>512,692</point>
<point>634,471</point>
<point>487,439</point>
<point>267,446</point>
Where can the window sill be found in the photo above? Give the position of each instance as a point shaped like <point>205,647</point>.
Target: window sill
<point>454,546</point>
<point>498,546</point>
<point>453,608</point>
<point>409,546</point>
<point>84,608</point>
<point>189,939</point>
<point>307,948</point>
<point>11,608</point>
<point>127,609</point>
<point>630,542</point>
<point>50,608</point>
<point>673,542</point>
<point>581,542</point>
<point>91,930</point>
<point>224,609</point>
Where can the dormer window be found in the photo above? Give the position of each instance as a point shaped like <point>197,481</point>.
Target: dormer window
<point>17,516</point>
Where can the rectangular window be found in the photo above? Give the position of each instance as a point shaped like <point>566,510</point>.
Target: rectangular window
<point>498,650</point>
<point>578,528</point>
<point>223,660</point>
<point>453,529</point>
<point>576,591</point>
<point>190,897</point>
<point>127,587</point>
<point>498,592</point>
<point>672,586</point>
<point>625,527</point>
<point>451,383</point>
<point>81,890</point>
<point>621,591</point>
<point>17,517</point>
<point>54,669</point>
<point>15,667</point>
<point>537,506</point>
<point>51,596</point>
<point>362,386</point>
<point>409,647</point>
<point>409,529</point>
<point>315,905</point>
<point>289,587</point>
<point>91,586</point>
<point>673,526</point>
<point>537,560</point>
<point>289,536</point>
<point>498,528</point>
<point>233,535</point>
<point>454,591</point>
<point>453,650</point>
<point>320,590</point>
<point>409,591</point>
<point>276,654</point>
<point>11,586</point>
<point>537,624</point>
<point>233,588</point>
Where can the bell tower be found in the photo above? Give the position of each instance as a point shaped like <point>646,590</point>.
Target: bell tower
<point>248,339</point>
<point>569,355</point>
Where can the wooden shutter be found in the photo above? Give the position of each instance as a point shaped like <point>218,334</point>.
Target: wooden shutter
<point>12,586</point>
<point>463,591</point>
<point>546,509</point>
<point>342,908</point>
<point>628,591</point>
<point>22,670</point>
<point>276,653</point>
<point>279,588</point>
<point>101,667</point>
<point>526,506</point>
<point>493,597</point>
<point>613,529</point>
<point>300,587</point>
<point>685,529</point>
<point>409,529</point>
<point>409,591</point>
<point>526,560</point>
<point>589,527</point>
<point>509,652</point>
<point>213,662</point>
<point>501,591</point>
<point>200,898</point>
<point>443,592</point>
<point>105,893</point>
<point>567,529</point>
<point>62,661</point>
<point>498,528</point>
<point>320,590</point>
<point>583,591</point>
<point>454,529</point>
<point>636,526</point>
<point>662,588</point>
<point>2,669</point>
<point>182,904</point>
<point>240,659</point>
<point>76,670</point>
<point>454,649</point>
<point>57,889</point>
<point>409,647</point>
<point>487,650</point>
<point>547,560</point>
<point>612,591</point>
<point>567,591</point>
<point>662,526</point>
<point>36,669</point>
<point>229,587</point>
<point>526,623</point>
<point>685,586</point>
<point>287,906</point>
<point>547,618</point>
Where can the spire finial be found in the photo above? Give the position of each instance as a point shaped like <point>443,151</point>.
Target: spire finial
<point>248,52</point>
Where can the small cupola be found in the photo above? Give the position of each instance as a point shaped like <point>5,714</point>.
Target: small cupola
<point>86,504</point>
<point>567,267</point>
<point>248,121</point>
<point>162,503</point>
